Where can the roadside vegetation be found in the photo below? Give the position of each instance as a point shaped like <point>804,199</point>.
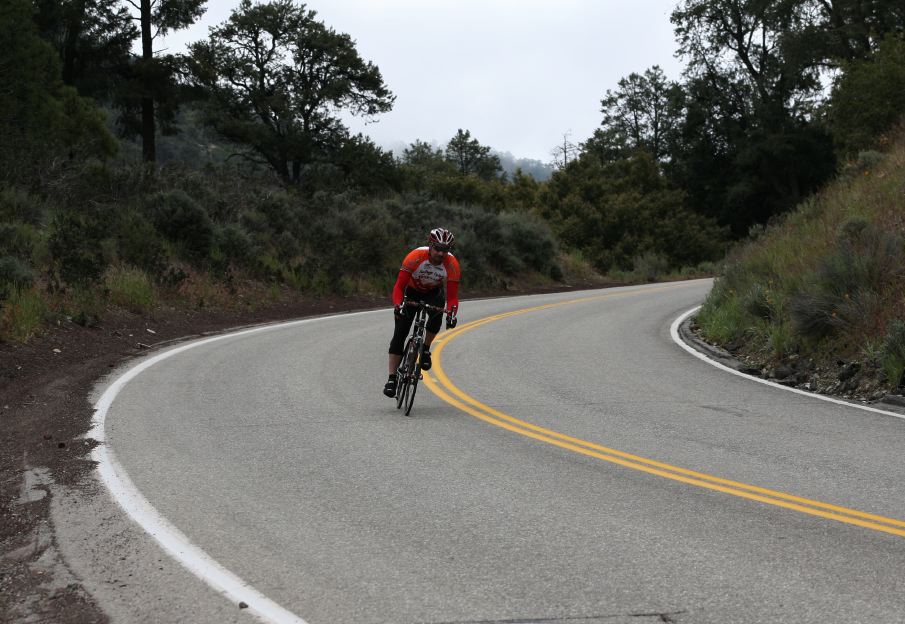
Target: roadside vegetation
<point>225,177</point>
<point>818,296</point>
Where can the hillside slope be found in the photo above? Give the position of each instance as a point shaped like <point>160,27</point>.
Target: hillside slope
<point>816,298</point>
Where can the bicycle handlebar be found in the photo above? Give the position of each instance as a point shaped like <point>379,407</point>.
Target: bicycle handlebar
<point>427,306</point>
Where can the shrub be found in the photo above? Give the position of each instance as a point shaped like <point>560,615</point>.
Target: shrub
<point>852,229</point>
<point>18,239</point>
<point>77,243</point>
<point>650,265</point>
<point>817,314</point>
<point>892,353</point>
<point>22,314</point>
<point>280,212</point>
<point>16,205</point>
<point>138,243</point>
<point>868,97</point>
<point>14,275</point>
<point>530,240</point>
<point>757,302</point>
<point>845,290</point>
<point>780,339</point>
<point>287,246</point>
<point>722,318</point>
<point>356,239</point>
<point>234,243</point>
<point>182,220</point>
<point>131,289</point>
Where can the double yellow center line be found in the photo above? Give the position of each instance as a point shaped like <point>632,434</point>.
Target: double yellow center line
<point>440,384</point>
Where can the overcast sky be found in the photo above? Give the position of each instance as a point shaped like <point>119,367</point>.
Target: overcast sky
<point>517,73</point>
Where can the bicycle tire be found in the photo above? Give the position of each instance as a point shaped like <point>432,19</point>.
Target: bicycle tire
<point>403,374</point>
<point>400,378</point>
<point>413,386</point>
<point>401,388</point>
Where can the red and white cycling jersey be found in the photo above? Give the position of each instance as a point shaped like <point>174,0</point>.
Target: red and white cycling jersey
<point>426,276</point>
<point>417,272</point>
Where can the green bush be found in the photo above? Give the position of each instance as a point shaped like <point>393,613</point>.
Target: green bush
<point>892,353</point>
<point>18,239</point>
<point>357,239</point>
<point>649,266</point>
<point>757,303</point>
<point>78,243</point>
<point>234,243</point>
<point>15,275</point>
<point>131,289</point>
<point>722,318</point>
<point>182,220</point>
<point>138,243</point>
<point>22,314</point>
<point>286,246</point>
<point>281,212</point>
<point>531,241</point>
<point>868,97</point>
<point>846,289</point>
<point>780,339</point>
<point>17,205</point>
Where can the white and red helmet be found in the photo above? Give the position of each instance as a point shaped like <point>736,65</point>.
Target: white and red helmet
<point>441,239</point>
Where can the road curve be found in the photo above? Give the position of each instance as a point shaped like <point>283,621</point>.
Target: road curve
<point>276,454</point>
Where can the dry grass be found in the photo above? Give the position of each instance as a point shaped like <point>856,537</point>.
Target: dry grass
<point>825,277</point>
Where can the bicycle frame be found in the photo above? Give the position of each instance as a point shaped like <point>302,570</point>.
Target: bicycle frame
<point>409,371</point>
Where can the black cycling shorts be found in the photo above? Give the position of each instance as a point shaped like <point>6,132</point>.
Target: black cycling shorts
<point>434,297</point>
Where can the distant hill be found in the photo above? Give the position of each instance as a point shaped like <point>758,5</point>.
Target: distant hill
<point>540,171</point>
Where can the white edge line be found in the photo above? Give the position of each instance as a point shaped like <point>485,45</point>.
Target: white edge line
<point>674,332</point>
<point>171,539</point>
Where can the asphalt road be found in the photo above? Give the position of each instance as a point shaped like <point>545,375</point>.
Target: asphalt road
<point>277,454</point>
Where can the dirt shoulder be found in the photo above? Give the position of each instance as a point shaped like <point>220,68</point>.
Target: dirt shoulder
<point>45,412</point>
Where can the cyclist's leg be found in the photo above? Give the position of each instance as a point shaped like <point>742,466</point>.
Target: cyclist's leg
<point>402,325</point>
<point>434,320</point>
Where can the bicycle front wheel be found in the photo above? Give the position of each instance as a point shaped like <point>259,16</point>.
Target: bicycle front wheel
<point>404,373</point>
<point>410,398</point>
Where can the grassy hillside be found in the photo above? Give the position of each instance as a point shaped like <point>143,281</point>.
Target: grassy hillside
<point>817,297</point>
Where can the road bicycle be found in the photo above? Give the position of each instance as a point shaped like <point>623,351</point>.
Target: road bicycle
<point>409,371</point>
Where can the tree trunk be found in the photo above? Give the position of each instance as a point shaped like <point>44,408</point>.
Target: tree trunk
<point>148,147</point>
<point>71,39</point>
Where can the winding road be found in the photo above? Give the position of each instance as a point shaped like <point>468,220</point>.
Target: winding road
<point>566,461</point>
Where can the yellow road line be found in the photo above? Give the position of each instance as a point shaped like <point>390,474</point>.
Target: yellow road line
<point>438,382</point>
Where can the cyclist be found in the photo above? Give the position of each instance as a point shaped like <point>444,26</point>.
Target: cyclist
<point>430,274</point>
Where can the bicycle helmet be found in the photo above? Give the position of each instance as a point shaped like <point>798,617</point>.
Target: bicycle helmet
<point>441,238</point>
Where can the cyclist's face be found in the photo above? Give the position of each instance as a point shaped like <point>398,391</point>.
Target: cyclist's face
<point>437,255</point>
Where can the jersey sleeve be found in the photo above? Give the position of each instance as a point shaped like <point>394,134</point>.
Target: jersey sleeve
<point>453,277</point>
<point>453,273</point>
<point>402,280</point>
<point>452,295</point>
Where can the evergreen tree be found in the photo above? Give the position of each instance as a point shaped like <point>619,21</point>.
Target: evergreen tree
<point>642,113</point>
<point>41,119</point>
<point>275,78</point>
<point>94,40</point>
<point>472,158</point>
